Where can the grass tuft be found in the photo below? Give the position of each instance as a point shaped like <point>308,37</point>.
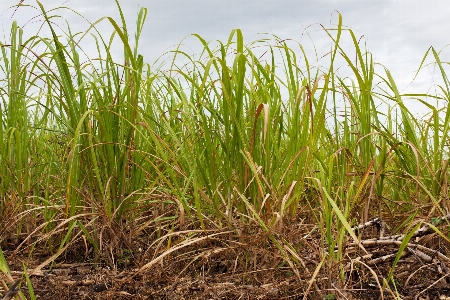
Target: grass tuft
<point>110,149</point>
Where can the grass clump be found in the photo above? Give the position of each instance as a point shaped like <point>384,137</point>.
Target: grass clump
<point>109,150</point>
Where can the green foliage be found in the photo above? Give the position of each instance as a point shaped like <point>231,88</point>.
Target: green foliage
<point>226,132</point>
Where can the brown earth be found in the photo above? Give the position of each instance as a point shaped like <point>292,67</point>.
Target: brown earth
<point>227,266</point>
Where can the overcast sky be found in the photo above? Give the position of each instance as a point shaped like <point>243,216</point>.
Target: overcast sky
<point>398,33</point>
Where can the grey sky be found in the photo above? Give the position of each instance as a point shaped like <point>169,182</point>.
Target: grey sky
<point>398,33</point>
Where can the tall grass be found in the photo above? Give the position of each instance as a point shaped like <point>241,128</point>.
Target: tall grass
<point>91,144</point>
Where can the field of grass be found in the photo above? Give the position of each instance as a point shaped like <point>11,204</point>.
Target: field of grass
<point>266,158</point>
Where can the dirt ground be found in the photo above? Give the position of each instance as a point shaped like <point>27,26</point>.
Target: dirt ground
<point>248,266</point>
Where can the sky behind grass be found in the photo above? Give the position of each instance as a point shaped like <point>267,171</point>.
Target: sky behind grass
<point>398,33</point>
